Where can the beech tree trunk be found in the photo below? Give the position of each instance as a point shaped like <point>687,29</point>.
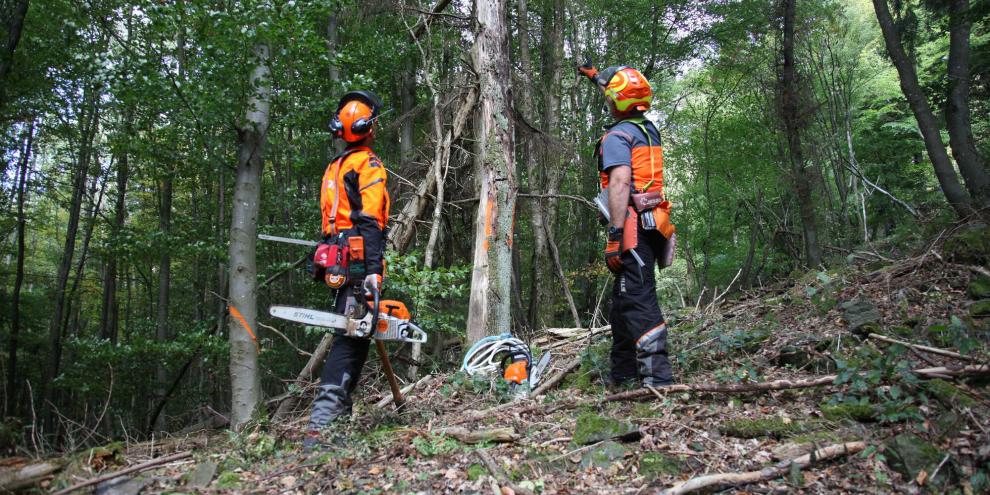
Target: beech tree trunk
<point>927,124</point>
<point>244,378</point>
<point>15,25</point>
<point>972,165</point>
<point>109,313</point>
<point>491,279</point>
<point>15,323</point>
<point>79,175</point>
<point>790,111</point>
<point>164,279</point>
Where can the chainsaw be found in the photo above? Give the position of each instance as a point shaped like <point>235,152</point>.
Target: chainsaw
<point>381,320</point>
<point>392,322</point>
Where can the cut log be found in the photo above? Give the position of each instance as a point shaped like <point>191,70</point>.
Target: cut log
<point>305,375</point>
<point>496,435</point>
<point>726,480</point>
<point>16,478</point>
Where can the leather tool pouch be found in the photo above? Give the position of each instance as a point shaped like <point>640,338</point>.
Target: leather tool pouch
<point>630,230</point>
<point>358,270</point>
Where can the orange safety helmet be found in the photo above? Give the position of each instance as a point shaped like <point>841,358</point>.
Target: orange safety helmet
<point>356,115</point>
<point>626,89</point>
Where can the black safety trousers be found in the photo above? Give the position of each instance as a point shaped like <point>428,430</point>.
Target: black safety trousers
<point>639,333</point>
<point>341,371</point>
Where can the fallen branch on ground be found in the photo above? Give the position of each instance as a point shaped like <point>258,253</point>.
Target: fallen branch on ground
<point>496,435</point>
<point>387,398</point>
<point>726,480</point>
<point>729,388</point>
<point>498,474</point>
<point>923,348</point>
<point>12,479</point>
<point>315,360</point>
<point>133,469</point>
<point>717,388</point>
<point>553,381</point>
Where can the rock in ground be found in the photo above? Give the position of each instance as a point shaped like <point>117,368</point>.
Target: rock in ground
<point>593,428</point>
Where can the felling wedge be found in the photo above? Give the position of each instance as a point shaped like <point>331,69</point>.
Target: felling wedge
<point>393,324</point>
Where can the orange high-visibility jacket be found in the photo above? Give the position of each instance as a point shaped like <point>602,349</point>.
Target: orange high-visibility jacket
<point>354,201</point>
<point>632,143</point>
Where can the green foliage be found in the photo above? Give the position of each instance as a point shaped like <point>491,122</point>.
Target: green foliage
<point>430,445</point>
<point>882,381</point>
<point>436,297</point>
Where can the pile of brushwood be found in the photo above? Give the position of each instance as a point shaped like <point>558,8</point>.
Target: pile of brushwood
<point>871,377</point>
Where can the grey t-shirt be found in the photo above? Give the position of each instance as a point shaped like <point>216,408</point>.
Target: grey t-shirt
<point>621,139</point>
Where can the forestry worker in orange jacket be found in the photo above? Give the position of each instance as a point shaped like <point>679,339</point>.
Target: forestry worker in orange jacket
<point>640,235</point>
<point>354,202</point>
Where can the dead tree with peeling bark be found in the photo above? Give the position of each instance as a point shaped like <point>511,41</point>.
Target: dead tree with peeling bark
<point>491,279</point>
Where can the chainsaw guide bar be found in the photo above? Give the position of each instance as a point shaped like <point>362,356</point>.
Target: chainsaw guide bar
<point>389,327</point>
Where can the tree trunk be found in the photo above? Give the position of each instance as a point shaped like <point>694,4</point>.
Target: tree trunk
<point>491,280</point>
<point>14,27</point>
<point>79,176</point>
<point>790,110</point>
<point>538,258</point>
<point>15,324</point>
<point>109,312</point>
<point>927,124</point>
<point>407,98</point>
<point>164,279</point>
<point>244,378</point>
<point>972,165</point>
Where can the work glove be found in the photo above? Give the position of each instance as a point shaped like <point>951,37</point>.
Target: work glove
<point>613,256</point>
<point>372,284</point>
<point>587,70</point>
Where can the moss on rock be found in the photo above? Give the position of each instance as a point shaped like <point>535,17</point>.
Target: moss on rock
<point>909,454</point>
<point>980,308</point>
<point>593,428</point>
<point>948,394</point>
<point>863,413</point>
<point>979,287</point>
<point>969,245</point>
<point>654,464</point>
<point>765,427</point>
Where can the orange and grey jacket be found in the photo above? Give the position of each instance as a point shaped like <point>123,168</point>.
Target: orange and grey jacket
<point>633,143</point>
<point>354,201</point>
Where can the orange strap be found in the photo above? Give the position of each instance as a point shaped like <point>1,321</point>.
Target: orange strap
<point>237,314</point>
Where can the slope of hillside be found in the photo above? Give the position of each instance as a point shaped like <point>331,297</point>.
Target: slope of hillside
<point>824,341</point>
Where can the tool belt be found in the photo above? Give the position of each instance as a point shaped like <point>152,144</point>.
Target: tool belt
<point>338,260</point>
<point>650,211</point>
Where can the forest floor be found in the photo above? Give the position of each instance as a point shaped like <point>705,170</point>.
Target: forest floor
<point>921,434</point>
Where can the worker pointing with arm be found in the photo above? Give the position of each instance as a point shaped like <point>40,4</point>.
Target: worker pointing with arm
<point>354,203</point>
<point>639,235</point>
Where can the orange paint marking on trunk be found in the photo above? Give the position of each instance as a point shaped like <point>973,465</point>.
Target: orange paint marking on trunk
<point>489,221</point>
<point>244,324</point>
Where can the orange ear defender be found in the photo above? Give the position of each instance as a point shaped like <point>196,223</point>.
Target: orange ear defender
<point>355,116</point>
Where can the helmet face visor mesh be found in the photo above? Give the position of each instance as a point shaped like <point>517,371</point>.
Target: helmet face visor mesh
<point>628,89</point>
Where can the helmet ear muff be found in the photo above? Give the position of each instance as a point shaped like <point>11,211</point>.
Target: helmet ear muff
<point>360,126</point>
<point>363,126</point>
<point>336,127</point>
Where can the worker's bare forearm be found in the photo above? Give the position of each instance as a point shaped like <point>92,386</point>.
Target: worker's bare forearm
<point>618,194</point>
